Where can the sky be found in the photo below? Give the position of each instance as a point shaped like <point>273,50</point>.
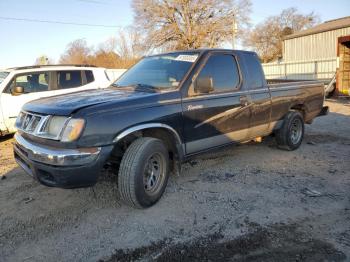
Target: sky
<point>21,42</point>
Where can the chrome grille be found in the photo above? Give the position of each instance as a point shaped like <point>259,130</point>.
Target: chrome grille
<point>31,123</point>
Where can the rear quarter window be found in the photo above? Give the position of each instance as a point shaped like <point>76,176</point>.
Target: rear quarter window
<point>256,75</point>
<point>89,76</point>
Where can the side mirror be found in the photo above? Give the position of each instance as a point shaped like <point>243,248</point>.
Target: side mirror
<point>204,85</point>
<point>17,90</point>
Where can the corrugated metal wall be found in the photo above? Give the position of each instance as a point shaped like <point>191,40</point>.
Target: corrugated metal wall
<point>308,57</point>
<point>313,47</point>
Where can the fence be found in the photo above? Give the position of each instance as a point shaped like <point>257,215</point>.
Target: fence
<point>303,70</point>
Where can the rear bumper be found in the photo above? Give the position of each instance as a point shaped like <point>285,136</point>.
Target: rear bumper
<point>65,168</point>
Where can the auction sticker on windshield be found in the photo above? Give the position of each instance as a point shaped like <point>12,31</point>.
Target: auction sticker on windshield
<point>187,58</point>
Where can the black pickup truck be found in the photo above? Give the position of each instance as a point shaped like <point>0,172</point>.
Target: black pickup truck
<point>165,109</point>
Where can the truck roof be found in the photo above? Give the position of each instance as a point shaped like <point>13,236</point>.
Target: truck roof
<point>204,50</point>
<point>41,68</point>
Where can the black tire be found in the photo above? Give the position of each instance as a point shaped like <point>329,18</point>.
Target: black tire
<point>290,135</point>
<point>138,168</point>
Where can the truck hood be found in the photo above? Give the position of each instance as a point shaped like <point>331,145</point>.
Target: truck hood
<point>69,103</point>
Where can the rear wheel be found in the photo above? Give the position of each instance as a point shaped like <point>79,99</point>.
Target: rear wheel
<point>143,172</point>
<point>291,134</point>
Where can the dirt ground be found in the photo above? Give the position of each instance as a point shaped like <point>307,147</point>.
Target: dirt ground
<point>251,202</point>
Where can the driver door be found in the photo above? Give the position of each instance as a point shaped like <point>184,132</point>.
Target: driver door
<point>221,115</point>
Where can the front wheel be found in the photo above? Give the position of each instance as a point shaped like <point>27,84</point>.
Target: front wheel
<point>291,134</point>
<point>143,172</point>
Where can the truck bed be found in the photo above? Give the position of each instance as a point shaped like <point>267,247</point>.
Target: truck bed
<point>305,95</point>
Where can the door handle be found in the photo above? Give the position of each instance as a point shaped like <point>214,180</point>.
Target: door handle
<point>244,101</point>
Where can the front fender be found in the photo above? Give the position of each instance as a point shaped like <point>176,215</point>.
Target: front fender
<point>109,127</point>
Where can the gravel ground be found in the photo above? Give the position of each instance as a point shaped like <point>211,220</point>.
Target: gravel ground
<point>251,202</point>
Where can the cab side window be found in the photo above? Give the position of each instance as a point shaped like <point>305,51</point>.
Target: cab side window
<point>69,79</point>
<point>256,73</point>
<point>89,76</point>
<point>32,83</point>
<point>223,70</point>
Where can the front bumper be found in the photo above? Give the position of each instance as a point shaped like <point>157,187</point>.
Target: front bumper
<point>66,168</point>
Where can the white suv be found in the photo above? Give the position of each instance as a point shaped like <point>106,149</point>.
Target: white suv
<point>23,84</point>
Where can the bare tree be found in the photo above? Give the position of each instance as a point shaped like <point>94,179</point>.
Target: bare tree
<point>77,52</point>
<point>185,24</point>
<point>117,52</point>
<point>121,51</point>
<point>105,55</point>
<point>130,43</point>
<point>130,46</point>
<point>105,59</point>
<point>267,37</point>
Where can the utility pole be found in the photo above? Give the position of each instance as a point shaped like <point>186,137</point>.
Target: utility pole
<point>234,32</point>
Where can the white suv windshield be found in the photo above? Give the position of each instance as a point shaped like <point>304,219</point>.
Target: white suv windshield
<point>3,75</point>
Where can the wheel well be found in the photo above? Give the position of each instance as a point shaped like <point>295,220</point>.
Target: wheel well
<point>164,135</point>
<point>169,139</point>
<point>300,108</point>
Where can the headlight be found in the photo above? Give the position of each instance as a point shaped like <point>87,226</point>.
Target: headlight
<point>63,128</point>
<point>73,130</point>
<point>53,127</point>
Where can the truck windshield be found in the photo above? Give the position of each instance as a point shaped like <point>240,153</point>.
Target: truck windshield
<point>3,75</point>
<point>159,72</point>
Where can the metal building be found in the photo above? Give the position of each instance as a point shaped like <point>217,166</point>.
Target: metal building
<point>321,52</point>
